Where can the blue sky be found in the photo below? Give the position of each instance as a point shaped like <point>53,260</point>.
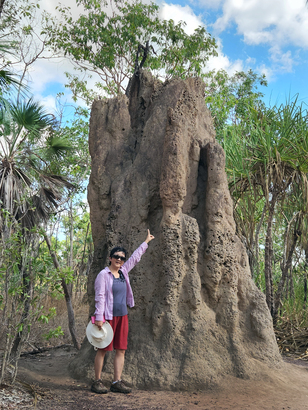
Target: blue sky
<point>267,36</point>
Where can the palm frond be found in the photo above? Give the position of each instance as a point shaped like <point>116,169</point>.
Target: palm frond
<point>57,181</point>
<point>31,116</point>
<point>8,79</point>
<point>57,146</point>
<point>28,189</point>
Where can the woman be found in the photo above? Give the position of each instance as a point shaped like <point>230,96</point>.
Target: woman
<point>112,295</point>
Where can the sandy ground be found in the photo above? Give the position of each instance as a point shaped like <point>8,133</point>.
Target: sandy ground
<point>48,375</point>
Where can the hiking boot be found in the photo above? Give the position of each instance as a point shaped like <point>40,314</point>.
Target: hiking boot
<point>98,387</point>
<point>119,387</point>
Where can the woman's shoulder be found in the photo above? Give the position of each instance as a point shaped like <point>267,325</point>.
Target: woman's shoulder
<point>103,272</point>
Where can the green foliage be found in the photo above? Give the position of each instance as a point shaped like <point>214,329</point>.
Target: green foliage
<point>267,166</point>
<point>294,308</point>
<point>27,276</point>
<point>268,148</point>
<point>230,99</point>
<point>54,333</point>
<point>75,260</point>
<point>37,157</point>
<point>73,164</point>
<point>29,190</point>
<point>105,41</point>
<point>45,317</point>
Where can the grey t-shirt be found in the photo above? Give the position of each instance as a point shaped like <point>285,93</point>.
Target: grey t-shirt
<point>119,296</point>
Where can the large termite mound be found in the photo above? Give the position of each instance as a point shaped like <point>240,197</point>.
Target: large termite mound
<point>198,314</point>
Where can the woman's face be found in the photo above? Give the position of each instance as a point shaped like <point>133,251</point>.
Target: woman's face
<point>116,261</point>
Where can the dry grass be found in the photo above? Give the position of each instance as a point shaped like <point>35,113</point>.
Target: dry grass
<point>38,330</point>
<point>292,340</point>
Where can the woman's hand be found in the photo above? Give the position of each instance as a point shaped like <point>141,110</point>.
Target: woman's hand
<point>149,237</point>
<point>99,324</point>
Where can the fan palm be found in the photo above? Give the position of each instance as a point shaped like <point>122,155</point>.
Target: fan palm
<point>29,190</point>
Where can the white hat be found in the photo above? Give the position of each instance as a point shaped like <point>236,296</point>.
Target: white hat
<point>99,338</point>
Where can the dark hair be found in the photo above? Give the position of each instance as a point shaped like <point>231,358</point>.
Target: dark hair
<point>117,249</point>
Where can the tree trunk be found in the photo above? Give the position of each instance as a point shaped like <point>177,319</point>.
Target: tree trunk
<point>70,261</point>
<point>286,270</point>
<point>69,306</point>
<point>26,296</point>
<point>6,356</point>
<point>268,257</point>
<point>71,235</point>
<point>305,291</point>
<point>70,313</point>
<point>256,242</point>
<point>291,282</point>
<point>305,278</point>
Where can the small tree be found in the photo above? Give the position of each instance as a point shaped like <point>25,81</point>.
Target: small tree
<point>104,40</point>
<point>26,278</point>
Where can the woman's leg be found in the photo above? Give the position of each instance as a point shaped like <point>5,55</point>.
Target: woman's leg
<point>98,363</point>
<point>118,364</point>
<point>120,345</point>
<point>97,385</point>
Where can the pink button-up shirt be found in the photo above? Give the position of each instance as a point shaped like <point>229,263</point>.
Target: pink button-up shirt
<point>103,286</point>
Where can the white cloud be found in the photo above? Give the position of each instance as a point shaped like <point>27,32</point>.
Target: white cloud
<point>48,102</point>
<point>179,13</point>
<point>214,4</point>
<point>250,61</point>
<point>267,71</point>
<point>50,6</point>
<point>284,61</point>
<point>47,71</point>
<point>222,62</point>
<point>54,106</point>
<point>274,22</point>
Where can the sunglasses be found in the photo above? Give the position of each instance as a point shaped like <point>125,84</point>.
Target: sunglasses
<point>117,257</point>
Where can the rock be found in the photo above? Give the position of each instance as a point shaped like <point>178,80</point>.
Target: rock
<point>198,314</point>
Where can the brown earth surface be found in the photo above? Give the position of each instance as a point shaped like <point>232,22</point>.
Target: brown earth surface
<point>51,384</point>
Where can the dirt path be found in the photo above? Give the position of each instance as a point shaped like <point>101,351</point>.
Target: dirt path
<point>286,389</point>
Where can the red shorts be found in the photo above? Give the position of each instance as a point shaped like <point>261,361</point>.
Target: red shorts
<point>119,325</point>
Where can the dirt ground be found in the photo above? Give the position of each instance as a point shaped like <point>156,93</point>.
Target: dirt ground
<point>46,376</point>
<point>54,389</point>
